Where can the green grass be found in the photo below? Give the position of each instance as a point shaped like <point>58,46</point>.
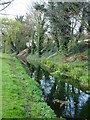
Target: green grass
<point>21,96</point>
<point>76,70</point>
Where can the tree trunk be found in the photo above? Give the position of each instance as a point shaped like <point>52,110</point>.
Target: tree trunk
<point>4,46</point>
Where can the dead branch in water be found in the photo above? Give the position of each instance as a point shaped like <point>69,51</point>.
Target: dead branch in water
<point>63,102</point>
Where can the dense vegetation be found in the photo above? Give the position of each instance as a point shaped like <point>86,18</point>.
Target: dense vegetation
<point>58,66</point>
<point>54,24</point>
<point>22,97</point>
<point>56,36</point>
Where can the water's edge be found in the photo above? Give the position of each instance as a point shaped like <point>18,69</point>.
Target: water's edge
<point>66,100</point>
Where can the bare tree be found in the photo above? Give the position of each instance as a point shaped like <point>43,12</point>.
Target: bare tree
<point>5,4</point>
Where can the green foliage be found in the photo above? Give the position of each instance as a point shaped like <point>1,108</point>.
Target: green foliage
<point>15,34</point>
<point>10,28</point>
<point>40,27</point>
<point>41,110</point>
<point>75,47</point>
<point>84,79</point>
<point>75,71</point>
<point>22,97</point>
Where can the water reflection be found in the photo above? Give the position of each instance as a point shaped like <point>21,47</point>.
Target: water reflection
<point>56,89</point>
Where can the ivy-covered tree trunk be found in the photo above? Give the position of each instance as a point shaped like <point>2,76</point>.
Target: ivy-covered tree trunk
<point>4,46</point>
<point>40,30</point>
<point>66,31</point>
<point>56,39</point>
<point>88,16</point>
<point>33,44</point>
<point>54,30</point>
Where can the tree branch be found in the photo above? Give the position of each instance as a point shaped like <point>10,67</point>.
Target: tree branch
<point>5,3</point>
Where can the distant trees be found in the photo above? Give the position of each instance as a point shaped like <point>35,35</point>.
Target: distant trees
<point>15,34</point>
<point>87,17</point>
<point>9,30</point>
<point>66,20</point>
<point>57,23</point>
<point>60,23</point>
<point>39,27</point>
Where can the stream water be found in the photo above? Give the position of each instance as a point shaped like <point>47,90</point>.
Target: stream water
<point>77,103</point>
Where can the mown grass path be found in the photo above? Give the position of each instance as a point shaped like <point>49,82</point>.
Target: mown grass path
<point>21,96</point>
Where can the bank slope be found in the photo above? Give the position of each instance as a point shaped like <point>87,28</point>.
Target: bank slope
<point>70,69</point>
<point>21,96</point>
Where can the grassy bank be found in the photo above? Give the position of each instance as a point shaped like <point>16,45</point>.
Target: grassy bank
<point>71,68</point>
<point>22,96</point>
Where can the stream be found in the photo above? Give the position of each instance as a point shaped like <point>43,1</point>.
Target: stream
<point>74,103</point>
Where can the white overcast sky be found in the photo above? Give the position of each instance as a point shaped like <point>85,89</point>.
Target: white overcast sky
<point>17,7</point>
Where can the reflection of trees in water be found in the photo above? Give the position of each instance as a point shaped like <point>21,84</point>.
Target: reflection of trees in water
<point>66,92</point>
<point>46,74</point>
<point>51,96</point>
<point>85,113</point>
<point>62,91</point>
<point>57,92</point>
<point>72,96</point>
<point>31,69</point>
<point>38,74</point>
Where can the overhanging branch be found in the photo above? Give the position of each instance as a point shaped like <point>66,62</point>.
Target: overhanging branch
<point>5,3</point>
